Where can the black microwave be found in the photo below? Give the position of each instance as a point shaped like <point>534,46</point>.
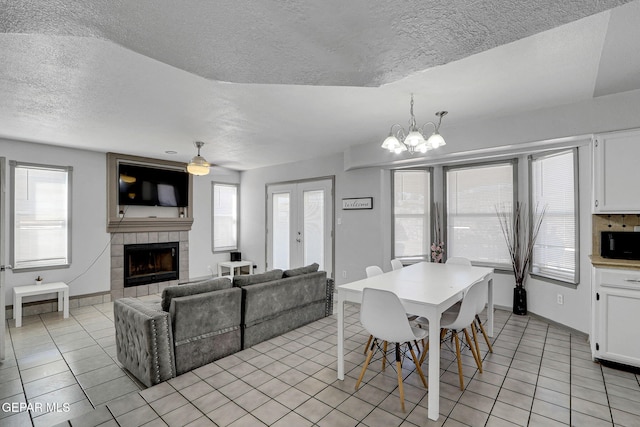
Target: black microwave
<point>620,244</point>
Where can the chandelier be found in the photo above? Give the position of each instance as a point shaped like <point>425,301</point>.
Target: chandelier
<point>414,141</point>
<point>198,165</point>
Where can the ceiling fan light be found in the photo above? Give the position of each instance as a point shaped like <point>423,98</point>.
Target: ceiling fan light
<point>198,166</point>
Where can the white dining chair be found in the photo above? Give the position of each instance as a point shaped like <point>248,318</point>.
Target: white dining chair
<point>393,327</point>
<point>396,264</point>
<point>481,303</point>
<point>457,321</point>
<point>371,271</point>
<point>459,261</point>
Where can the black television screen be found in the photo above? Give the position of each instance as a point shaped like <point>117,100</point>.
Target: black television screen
<point>148,186</point>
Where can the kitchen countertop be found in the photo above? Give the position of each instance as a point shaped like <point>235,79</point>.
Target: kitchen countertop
<point>629,264</point>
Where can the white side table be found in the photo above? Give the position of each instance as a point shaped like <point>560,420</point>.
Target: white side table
<point>232,265</point>
<point>25,291</point>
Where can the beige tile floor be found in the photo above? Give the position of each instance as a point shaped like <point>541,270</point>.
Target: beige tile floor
<point>538,375</point>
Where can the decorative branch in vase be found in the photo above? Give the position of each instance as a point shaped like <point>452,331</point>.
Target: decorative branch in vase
<point>520,233</point>
<point>437,247</point>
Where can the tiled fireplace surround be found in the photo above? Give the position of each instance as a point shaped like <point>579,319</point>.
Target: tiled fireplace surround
<point>118,241</point>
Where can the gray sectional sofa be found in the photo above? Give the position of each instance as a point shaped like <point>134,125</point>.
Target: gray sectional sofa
<point>198,323</point>
<point>278,301</point>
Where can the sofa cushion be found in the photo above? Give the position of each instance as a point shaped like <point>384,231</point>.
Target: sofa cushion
<point>252,279</point>
<point>209,285</point>
<point>301,270</point>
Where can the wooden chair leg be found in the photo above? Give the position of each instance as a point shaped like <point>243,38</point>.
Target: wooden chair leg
<point>418,368</point>
<point>424,353</point>
<point>486,338</point>
<point>366,364</point>
<point>399,369</point>
<point>475,341</point>
<point>459,358</point>
<point>443,333</point>
<point>476,357</point>
<point>366,347</point>
<point>384,355</point>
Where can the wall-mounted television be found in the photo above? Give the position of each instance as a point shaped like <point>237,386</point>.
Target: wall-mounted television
<point>150,186</point>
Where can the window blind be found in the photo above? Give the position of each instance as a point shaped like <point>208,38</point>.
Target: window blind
<point>553,185</point>
<point>225,217</point>
<point>411,216</point>
<point>473,193</point>
<point>41,214</point>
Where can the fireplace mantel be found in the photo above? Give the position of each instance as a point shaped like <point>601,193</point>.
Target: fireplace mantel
<point>117,222</point>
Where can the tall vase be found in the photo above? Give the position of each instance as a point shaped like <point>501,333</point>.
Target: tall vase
<point>519,300</point>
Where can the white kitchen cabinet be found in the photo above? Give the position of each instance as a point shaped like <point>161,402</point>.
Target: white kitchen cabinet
<point>616,172</point>
<point>616,316</point>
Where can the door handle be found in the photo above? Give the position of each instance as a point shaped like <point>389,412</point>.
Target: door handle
<point>5,267</point>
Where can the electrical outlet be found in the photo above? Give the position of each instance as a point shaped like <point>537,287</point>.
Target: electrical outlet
<point>560,299</point>
<point>344,274</point>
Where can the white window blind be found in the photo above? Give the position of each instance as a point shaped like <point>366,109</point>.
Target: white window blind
<point>225,217</point>
<point>411,217</point>
<point>553,186</point>
<point>40,216</point>
<point>472,195</point>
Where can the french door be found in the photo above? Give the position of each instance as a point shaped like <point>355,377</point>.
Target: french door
<point>3,233</point>
<point>300,225</point>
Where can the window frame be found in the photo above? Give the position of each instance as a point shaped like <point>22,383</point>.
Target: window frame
<point>513,161</point>
<point>576,209</point>
<point>69,171</point>
<point>224,249</point>
<point>428,221</point>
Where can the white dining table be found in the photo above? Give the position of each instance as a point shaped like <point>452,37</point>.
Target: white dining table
<point>425,289</point>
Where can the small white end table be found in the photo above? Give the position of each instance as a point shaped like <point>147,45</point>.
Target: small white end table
<point>232,265</point>
<point>20,292</point>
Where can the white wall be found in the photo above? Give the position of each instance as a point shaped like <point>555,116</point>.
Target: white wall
<point>202,261</point>
<point>89,238</point>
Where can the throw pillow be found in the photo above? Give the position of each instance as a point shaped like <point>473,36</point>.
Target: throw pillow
<point>301,270</point>
<point>209,285</point>
<point>252,279</point>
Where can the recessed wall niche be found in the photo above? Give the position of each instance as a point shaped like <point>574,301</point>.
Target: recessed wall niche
<point>136,218</point>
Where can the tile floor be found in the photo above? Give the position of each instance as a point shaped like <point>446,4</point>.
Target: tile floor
<point>538,375</point>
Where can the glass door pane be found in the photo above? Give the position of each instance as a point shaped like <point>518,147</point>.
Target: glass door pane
<point>314,226</point>
<point>281,230</point>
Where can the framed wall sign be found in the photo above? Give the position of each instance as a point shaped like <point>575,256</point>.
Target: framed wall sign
<point>357,203</point>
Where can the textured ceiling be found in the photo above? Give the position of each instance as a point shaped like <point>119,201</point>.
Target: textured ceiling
<point>267,82</point>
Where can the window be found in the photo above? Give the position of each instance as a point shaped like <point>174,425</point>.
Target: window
<point>411,218</point>
<point>41,214</point>
<point>225,217</point>
<point>554,186</point>
<point>473,193</point>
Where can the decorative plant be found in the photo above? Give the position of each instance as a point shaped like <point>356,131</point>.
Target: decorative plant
<point>437,247</point>
<point>520,232</point>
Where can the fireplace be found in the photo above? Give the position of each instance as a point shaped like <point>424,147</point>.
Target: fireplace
<point>150,263</point>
